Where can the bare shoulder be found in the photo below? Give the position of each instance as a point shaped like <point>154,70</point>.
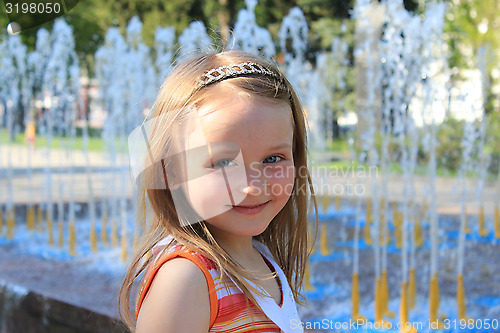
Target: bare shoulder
<point>177,301</point>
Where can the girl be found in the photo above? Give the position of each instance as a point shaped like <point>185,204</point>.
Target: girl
<point>226,177</point>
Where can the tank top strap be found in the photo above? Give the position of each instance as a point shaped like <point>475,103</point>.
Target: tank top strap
<point>176,250</point>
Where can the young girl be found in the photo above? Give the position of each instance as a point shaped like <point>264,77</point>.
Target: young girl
<point>225,173</point>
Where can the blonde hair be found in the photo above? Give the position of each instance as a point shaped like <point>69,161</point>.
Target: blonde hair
<point>287,235</point>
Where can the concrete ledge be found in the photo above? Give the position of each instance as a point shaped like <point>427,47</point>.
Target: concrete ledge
<point>22,310</point>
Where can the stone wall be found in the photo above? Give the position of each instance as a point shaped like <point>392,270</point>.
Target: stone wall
<point>25,311</point>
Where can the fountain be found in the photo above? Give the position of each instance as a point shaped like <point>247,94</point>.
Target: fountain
<point>248,36</point>
<point>193,38</point>
<point>164,45</point>
<point>363,251</point>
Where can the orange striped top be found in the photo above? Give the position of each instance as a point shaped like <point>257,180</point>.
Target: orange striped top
<point>228,304</point>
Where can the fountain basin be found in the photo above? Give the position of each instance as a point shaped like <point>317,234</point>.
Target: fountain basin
<point>39,295</point>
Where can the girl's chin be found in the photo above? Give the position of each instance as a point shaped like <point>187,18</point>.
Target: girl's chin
<point>240,229</point>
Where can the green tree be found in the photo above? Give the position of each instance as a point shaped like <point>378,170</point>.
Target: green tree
<point>472,27</point>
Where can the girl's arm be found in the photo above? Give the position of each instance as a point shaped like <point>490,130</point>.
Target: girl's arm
<point>177,301</point>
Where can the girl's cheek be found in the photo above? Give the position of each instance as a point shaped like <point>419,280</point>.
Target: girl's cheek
<point>206,196</point>
<point>280,180</point>
<point>211,187</point>
<point>215,192</point>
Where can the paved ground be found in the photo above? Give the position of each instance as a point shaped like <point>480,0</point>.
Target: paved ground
<point>32,187</point>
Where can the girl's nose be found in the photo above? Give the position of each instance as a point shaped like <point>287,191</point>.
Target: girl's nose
<point>252,189</point>
<point>256,184</point>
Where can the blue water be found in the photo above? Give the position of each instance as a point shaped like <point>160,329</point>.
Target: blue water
<point>337,311</point>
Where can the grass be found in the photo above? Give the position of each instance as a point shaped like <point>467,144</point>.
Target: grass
<point>395,169</point>
<point>340,146</point>
<point>94,143</point>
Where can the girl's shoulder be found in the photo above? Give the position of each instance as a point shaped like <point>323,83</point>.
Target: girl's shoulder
<point>167,249</point>
<point>177,294</point>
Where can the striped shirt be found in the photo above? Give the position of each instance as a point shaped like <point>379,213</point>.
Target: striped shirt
<point>229,311</point>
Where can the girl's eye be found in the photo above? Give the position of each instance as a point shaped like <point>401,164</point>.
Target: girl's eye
<point>224,163</point>
<point>273,159</point>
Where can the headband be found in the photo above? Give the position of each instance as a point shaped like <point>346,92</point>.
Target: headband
<point>223,72</point>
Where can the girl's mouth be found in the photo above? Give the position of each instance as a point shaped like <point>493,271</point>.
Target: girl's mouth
<point>250,209</point>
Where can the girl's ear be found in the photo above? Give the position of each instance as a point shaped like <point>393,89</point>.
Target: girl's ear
<point>169,177</point>
<point>171,181</point>
<point>172,185</point>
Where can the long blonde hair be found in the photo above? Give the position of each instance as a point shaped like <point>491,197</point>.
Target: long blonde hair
<point>287,235</point>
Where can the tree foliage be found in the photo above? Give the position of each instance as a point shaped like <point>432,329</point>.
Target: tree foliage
<point>473,32</point>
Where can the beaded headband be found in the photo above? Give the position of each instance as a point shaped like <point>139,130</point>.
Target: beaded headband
<point>223,72</point>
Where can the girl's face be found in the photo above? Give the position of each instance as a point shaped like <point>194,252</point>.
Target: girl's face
<point>238,156</point>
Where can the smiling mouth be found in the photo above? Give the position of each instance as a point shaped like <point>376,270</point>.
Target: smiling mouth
<point>254,206</point>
